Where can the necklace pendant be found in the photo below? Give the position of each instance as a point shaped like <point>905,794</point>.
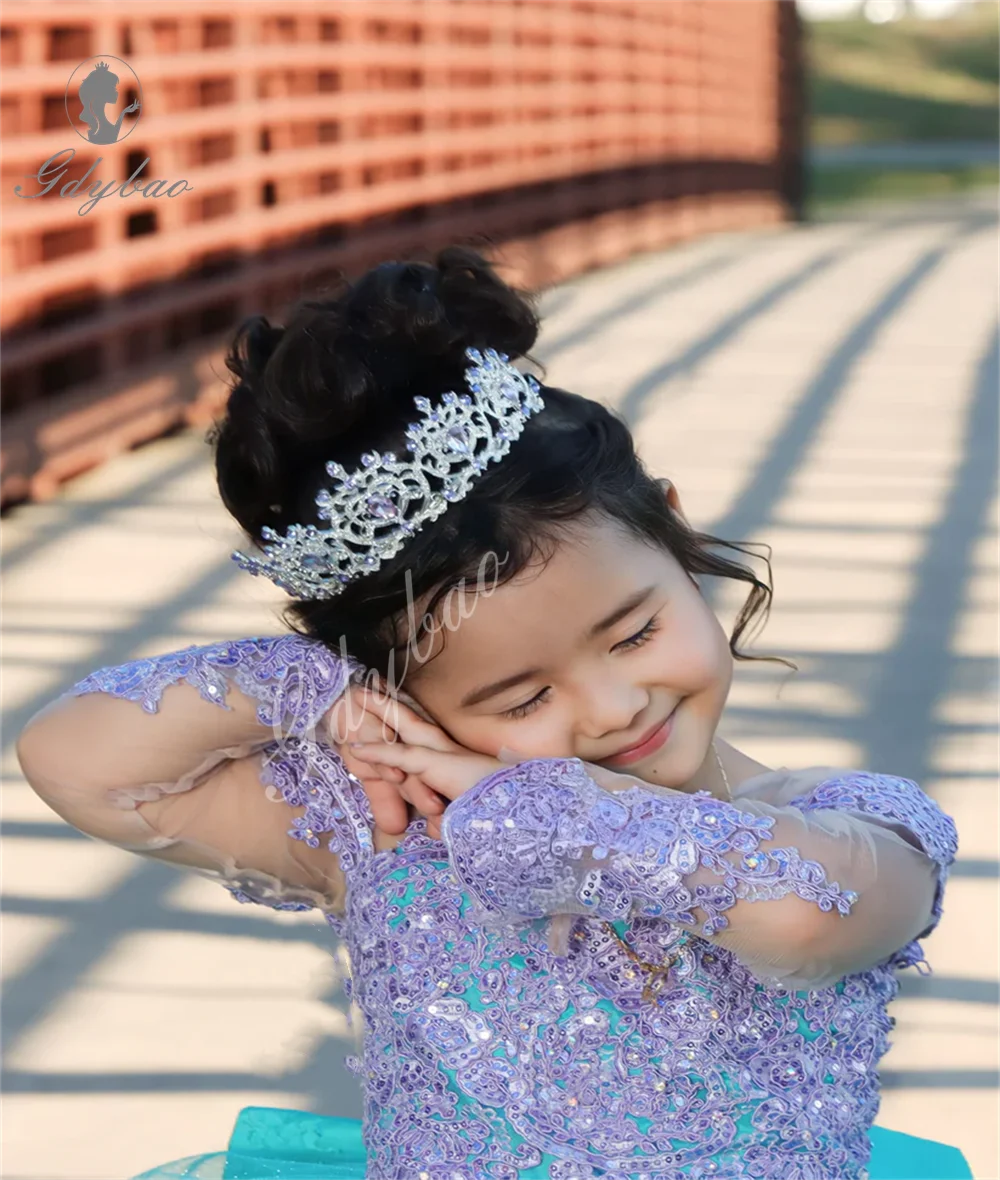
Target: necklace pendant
<point>657,981</point>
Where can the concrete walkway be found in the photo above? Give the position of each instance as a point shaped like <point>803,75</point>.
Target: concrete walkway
<point>831,391</point>
<point>949,153</point>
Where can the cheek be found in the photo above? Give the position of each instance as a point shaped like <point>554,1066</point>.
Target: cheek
<point>693,652</point>
<point>529,737</point>
<point>546,733</point>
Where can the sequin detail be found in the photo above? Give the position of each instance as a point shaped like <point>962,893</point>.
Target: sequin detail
<point>899,801</point>
<point>295,680</point>
<point>487,1057</point>
<point>542,838</point>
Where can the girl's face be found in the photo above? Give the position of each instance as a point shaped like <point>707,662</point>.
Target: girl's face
<point>586,657</point>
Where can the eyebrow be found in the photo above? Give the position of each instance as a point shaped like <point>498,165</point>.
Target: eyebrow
<point>620,612</point>
<point>477,696</point>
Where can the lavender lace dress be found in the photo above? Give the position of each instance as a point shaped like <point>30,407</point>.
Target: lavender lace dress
<point>506,1035</point>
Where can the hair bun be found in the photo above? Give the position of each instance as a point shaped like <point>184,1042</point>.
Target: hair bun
<point>341,377</point>
<point>435,311</point>
<point>261,339</point>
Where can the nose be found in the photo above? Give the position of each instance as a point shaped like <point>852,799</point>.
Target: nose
<point>610,706</point>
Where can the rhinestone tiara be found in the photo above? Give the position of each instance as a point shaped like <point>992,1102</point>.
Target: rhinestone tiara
<point>375,509</point>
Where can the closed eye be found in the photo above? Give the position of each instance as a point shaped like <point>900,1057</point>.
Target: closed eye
<point>637,640</point>
<point>528,706</point>
<point>640,637</point>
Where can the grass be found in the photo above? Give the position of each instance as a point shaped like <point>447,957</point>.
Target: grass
<point>833,187</point>
<point>907,81</point>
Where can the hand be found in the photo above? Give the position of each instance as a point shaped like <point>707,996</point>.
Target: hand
<point>369,717</point>
<point>613,780</point>
<point>441,772</point>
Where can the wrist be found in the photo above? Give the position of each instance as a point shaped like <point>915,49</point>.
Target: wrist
<point>500,787</point>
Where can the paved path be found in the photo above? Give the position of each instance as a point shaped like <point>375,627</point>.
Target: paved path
<point>831,391</point>
<point>950,153</point>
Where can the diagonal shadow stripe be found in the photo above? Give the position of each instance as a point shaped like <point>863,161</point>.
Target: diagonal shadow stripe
<point>165,918</point>
<point>639,392</point>
<point>645,296</point>
<point>31,995</point>
<point>949,987</point>
<point>939,1079</point>
<point>916,671</point>
<point>755,504</point>
<point>76,514</point>
<point>128,906</point>
<point>100,1082</point>
<point>976,867</point>
<point>636,396</point>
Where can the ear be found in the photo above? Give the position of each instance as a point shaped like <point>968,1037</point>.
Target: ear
<point>674,504</point>
<point>673,500</point>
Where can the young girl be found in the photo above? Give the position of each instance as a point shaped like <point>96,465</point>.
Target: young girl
<point>589,937</point>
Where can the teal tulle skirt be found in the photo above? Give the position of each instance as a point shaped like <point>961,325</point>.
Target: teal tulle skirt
<point>269,1143</point>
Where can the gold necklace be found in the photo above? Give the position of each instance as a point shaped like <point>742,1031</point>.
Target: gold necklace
<point>659,973</point>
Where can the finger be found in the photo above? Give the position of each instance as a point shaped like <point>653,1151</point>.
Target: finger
<point>362,770</point>
<point>610,780</point>
<point>426,800</point>
<point>348,719</point>
<point>397,717</point>
<point>506,754</point>
<point>387,805</point>
<point>409,726</point>
<point>434,829</point>
<point>410,759</point>
<point>436,768</point>
<point>390,802</point>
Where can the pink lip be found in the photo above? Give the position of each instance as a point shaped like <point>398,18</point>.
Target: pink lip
<point>649,744</point>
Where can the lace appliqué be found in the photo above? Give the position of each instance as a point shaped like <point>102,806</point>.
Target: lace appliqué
<point>542,838</point>
<point>899,801</point>
<point>303,773</point>
<point>295,680</point>
<point>485,1055</point>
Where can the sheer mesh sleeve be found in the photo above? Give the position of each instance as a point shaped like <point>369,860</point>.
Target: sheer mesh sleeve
<point>206,758</point>
<point>802,892</point>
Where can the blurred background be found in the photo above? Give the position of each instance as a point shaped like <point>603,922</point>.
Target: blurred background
<point>764,232</point>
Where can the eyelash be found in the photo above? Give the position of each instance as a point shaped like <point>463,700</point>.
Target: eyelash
<point>630,644</point>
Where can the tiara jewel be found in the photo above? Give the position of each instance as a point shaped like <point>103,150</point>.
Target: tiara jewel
<point>375,509</point>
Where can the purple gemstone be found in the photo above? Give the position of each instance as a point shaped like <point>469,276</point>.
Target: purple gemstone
<point>458,440</point>
<point>382,508</point>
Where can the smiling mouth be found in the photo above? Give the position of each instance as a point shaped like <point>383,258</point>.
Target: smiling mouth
<point>653,738</point>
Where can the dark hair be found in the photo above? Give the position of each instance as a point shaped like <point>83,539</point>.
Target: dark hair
<point>339,379</point>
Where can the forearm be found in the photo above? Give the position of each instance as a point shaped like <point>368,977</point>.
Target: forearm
<point>566,845</point>
<point>779,888</point>
<point>131,734</point>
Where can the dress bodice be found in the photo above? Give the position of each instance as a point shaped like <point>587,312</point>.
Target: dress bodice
<point>490,1044</point>
<point>482,1044</point>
